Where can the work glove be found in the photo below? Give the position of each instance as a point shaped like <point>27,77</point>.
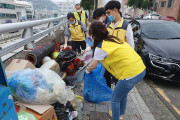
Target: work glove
<point>65,45</point>
<point>87,72</point>
<point>88,49</point>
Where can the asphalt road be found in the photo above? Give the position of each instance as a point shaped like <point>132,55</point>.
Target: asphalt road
<point>168,92</point>
<point>161,97</point>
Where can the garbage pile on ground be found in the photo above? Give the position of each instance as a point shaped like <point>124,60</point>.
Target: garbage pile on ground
<point>40,84</point>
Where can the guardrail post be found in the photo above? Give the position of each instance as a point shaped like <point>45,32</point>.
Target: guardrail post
<point>51,25</point>
<point>61,22</point>
<point>28,33</point>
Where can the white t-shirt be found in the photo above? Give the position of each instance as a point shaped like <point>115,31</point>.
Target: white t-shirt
<point>100,54</point>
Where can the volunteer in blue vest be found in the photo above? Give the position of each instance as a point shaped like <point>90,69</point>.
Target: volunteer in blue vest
<point>77,30</point>
<point>120,59</point>
<point>81,15</point>
<point>100,14</point>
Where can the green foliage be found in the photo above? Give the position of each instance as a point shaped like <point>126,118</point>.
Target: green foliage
<point>140,3</point>
<point>131,2</point>
<point>87,4</point>
<point>145,4</point>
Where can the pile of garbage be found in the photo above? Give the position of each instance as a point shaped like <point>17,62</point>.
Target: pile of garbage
<point>44,79</point>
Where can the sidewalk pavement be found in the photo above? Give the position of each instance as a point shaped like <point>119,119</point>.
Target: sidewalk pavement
<point>136,108</point>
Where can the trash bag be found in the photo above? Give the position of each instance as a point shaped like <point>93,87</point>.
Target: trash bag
<point>65,58</point>
<point>39,86</point>
<point>22,115</point>
<point>66,55</point>
<point>52,65</point>
<point>65,111</point>
<point>95,86</point>
<point>87,57</point>
<point>89,41</point>
<point>46,59</point>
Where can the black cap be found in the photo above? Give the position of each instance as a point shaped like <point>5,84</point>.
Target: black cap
<point>69,15</point>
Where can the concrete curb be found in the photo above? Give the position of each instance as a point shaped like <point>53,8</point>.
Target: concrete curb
<point>141,106</point>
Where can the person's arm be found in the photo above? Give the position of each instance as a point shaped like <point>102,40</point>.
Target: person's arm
<point>87,21</point>
<point>66,40</point>
<point>83,27</point>
<point>129,36</point>
<point>93,65</point>
<point>66,33</point>
<point>98,55</point>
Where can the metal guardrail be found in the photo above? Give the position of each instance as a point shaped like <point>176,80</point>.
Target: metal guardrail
<point>11,36</point>
<point>28,37</point>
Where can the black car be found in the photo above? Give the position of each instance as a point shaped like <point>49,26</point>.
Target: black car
<point>158,43</point>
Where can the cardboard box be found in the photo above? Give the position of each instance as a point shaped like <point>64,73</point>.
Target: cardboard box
<point>18,64</point>
<point>41,112</point>
<point>7,108</point>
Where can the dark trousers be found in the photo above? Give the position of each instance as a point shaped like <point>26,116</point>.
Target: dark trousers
<point>78,45</point>
<point>110,78</point>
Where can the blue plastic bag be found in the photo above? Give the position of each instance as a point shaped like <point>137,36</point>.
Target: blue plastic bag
<point>24,84</point>
<point>95,86</point>
<point>89,41</point>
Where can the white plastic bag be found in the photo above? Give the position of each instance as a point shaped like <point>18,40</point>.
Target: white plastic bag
<point>46,59</point>
<point>39,86</point>
<point>52,65</point>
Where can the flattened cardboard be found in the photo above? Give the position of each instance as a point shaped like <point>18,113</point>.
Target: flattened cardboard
<point>37,108</point>
<point>18,64</point>
<point>41,112</point>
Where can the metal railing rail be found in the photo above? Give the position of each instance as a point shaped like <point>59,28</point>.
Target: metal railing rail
<point>28,37</point>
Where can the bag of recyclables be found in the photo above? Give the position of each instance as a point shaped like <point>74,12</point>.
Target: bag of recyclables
<point>39,86</point>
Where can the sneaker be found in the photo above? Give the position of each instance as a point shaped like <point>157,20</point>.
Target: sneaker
<point>110,113</point>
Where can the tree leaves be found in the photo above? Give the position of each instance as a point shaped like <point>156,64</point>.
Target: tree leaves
<point>145,4</point>
<point>87,4</point>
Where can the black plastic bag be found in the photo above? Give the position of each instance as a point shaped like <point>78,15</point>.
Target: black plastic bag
<point>62,111</point>
<point>66,55</point>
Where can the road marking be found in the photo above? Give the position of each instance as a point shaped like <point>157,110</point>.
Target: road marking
<point>162,93</point>
<point>176,109</point>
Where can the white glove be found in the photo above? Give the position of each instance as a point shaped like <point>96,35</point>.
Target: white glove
<point>88,49</point>
<point>65,45</point>
<point>87,71</point>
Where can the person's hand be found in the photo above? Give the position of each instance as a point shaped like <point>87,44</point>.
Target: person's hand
<point>65,45</point>
<point>88,49</point>
<point>90,38</point>
<point>87,72</point>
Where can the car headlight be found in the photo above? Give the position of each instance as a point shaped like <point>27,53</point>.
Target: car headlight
<point>164,63</point>
<point>159,59</point>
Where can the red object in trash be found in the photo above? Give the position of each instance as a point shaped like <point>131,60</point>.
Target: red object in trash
<point>57,46</point>
<point>68,48</point>
<point>71,70</point>
<point>77,60</point>
<point>17,109</point>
